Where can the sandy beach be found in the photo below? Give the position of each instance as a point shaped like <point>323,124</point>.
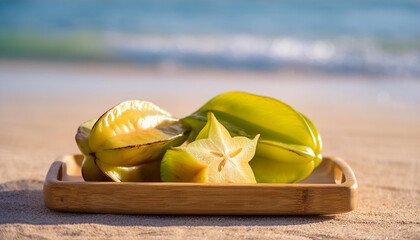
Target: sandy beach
<point>372,122</point>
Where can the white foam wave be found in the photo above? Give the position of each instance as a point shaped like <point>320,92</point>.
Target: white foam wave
<point>245,51</point>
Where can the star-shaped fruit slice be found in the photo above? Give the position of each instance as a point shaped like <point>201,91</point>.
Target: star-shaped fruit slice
<point>214,157</point>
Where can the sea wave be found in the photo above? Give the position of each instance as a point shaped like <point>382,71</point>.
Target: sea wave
<point>361,36</point>
<point>340,54</point>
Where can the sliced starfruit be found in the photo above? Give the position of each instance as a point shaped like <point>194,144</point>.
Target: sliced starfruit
<point>289,147</point>
<point>214,156</point>
<point>128,141</point>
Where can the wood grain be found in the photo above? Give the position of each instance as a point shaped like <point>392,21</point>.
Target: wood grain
<point>331,189</point>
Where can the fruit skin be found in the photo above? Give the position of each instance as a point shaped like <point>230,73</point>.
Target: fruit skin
<point>193,170</point>
<point>82,136</point>
<point>289,147</point>
<point>148,170</point>
<point>90,171</point>
<point>214,157</point>
<point>132,123</point>
<point>144,172</point>
<point>318,157</point>
<point>127,143</point>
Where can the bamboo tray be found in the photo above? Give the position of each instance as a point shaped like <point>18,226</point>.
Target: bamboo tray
<point>330,189</point>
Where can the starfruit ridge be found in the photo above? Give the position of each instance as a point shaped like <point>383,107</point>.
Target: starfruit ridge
<point>128,141</point>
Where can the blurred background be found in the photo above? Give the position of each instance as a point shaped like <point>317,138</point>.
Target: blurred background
<point>342,63</point>
<point>364,37</point>
<point>339,62</point>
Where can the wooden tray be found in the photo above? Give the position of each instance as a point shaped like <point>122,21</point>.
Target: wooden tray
<point>330,189</point>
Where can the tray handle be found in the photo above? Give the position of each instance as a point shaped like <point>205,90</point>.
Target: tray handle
<point>348,178</point>
<point>54,172</point>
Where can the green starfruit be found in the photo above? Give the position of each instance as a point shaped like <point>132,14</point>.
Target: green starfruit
<point>289,147</point>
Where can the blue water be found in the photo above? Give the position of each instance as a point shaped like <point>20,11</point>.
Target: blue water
<point>380,37</point>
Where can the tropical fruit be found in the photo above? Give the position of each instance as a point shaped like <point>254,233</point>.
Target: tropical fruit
<point>90,170</point>
<point>82,135</point>
<point>214,156</point>
<point>289,147</point>
<point>128,141</point>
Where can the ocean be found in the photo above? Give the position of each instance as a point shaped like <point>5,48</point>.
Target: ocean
<point>367,37</point>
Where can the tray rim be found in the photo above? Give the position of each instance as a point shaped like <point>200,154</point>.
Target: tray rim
<point>349,184</point>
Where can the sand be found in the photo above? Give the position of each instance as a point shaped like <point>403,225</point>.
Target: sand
<point>371,122</point>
